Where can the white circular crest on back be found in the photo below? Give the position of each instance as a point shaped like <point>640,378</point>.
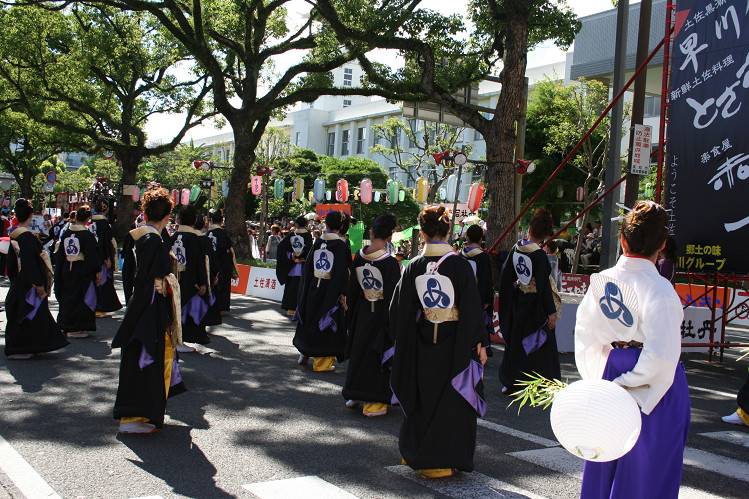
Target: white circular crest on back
<point>371,282</point>
<point>435,291</point>
<point>523,267</point>
<point>297,244</point>
<point>178,248</point>
<point>72,246</point>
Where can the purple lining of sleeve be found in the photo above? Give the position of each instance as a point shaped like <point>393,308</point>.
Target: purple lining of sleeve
<point>465,384</point>
<point>33,300</point>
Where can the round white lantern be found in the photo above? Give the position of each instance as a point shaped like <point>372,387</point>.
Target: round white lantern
<point>596,420</point>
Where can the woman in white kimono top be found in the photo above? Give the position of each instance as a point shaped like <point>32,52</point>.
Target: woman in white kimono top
<point>628,331</point>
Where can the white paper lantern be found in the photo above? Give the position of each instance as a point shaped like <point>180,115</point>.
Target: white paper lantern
<point>596,420</point>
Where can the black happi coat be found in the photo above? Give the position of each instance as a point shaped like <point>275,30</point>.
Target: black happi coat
<point>26,267</point>
<point>523,314</point>
<point>106,295</point>
<point>319,297</point>
<point>224,264</point>
<point>128,266</point>
<point>369,336</point>
<point>193,276</point>
<point>74,278</point>
<point>286,261</point>
<point>439,428</point>
<point>486,289</point>
<point>141,392</point>
<point>213,317</point>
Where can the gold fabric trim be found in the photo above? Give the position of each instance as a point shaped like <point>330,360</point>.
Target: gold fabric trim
<point>330,236</point>
<point>75,258</point>
<point>473,252</point>
<point>528,248</point>
<point>374,294</point>
<point>98,217</point>
<point>142,231</point>
<point>531,288</point>
<point>49,274</point>
<point>188,230</point>
<point>441,314</point>
<point>743,415</point>
<point>18,231</point>
<point>208,274</point>
<point>323,274</point>
<point>433,249</point>
<point>77,227</point>
<point>176,326</point>
<point>212,227</point>
<point>372,256</point>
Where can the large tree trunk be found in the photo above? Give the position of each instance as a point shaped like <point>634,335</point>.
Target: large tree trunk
<point>26,185</point>
<point>501,138</point>
<point>125,204</point>
<point>244,158</point>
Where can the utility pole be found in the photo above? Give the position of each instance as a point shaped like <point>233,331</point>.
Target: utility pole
<point>610,239</point>
<point>632,184</point>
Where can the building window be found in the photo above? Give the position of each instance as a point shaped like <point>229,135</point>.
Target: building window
<point>331,143</point>
<point>394,141</point>
<point>361,137</point>
<point>652,106</point>
<point>298,138</point>
<point>412,135</point>
<point>477,135</point>
<point>348,77</point>
<point>346,102</point>
<point>394,172</point>
<point>344,143</point>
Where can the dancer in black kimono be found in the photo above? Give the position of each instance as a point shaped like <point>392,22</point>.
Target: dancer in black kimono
<point>150,330</point>
<point>106,295</point>
<point>226,262</point>
<point>128,260</point>
<point>481,265</point>
<point>78,268</point>
<point>193,279</point>
<point>529,308</point>
<point>370,346</point>
<point>291,254</point>
<point>436,321</point>
<point>321,332</point>
<point>30,328</point>
<point>213,316</point>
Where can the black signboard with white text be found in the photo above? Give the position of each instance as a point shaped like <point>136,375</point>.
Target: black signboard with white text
<point>708,165</point>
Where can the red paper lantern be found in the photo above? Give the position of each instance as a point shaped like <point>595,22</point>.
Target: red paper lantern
<point>341,191</point>
<point>579,194</point>
<point>475,195</point>
<point>257,184</point>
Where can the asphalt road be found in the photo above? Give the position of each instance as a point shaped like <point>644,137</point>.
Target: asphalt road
<point>253,417</point>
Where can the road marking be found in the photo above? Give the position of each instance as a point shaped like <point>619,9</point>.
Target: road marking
<point>732,437</point>
<point>148,497</point>
<point>556,458</point>
<point>467,485</point>
<point>28,481</point>
<point>306,487</point>
<point>713,392</point>
<point>517,433</point>
<point>717,464</point>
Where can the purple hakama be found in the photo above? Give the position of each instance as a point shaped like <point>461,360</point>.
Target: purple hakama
<point>653,467</point>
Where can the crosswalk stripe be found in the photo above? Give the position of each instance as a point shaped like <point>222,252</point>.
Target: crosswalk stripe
<point>713,392</point>
<point>467,485</point>
<point>732,437</point>
<point>717,464</point>
<point>517,433</point>
<point>28,481</point>
<point>556,458</point>
<point>305,487</point>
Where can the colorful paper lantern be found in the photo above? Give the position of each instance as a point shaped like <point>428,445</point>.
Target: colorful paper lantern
<point>194,193</point>
<point>328,196</point>
<point>175,196</point>
<point>475,195</point>
<point>579,193</point>
<point>299,188</point>
<point>452,187</point>
<point>278,188</point>
<point>393,190</point>
<point>401,196</point>
<point>311,196</point>
<point>422,190</point>
<point>319,190</point>
<point>341,191</point>
<point>377,196</point>
<point>366,191</point>
<point>136,194</point>
<point>256,183</point>
<point>596,420</point>
<point>225,188</point>
<point>185,197</point>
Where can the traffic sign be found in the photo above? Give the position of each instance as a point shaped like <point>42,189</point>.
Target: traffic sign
<point>49,187</point>
<point>51,177</point>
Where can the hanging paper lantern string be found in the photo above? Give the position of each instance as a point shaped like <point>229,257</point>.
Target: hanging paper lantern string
<point>194,193</point>
<point>341,192</point>
<point>422,190</point>
<point>366,191</point>
<point>278,188</point>
<point>475,194</point>
<point>256,183</point>
<point>393,191</point>
<point>319,190</point>
<point>299,188</point>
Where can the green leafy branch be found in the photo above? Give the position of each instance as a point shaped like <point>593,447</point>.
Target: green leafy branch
<point>537,391</point>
